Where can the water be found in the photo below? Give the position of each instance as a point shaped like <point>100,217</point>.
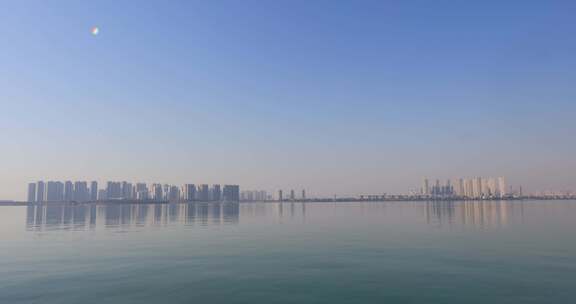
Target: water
<point>392,252</point>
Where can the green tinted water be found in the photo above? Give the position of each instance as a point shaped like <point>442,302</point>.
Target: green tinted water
<point>405,252</point>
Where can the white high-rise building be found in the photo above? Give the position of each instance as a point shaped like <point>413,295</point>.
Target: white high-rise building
<point>478,187</point>
<point>502,187</point>
<point>485,186</point>
<point>426,187</point>
<point>461,187</point>
<point>493,187</point>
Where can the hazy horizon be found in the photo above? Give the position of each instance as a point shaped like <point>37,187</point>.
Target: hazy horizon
<point>335,97</point>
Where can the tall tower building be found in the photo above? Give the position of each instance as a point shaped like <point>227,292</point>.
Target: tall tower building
<point>54,191</point>
<point>113,190</point>
<point>127,190</point>
<point>68,191</point>
<point>141,187</point>
<point>174,194</point>
<point>292,196</point>
<point>502,187</point>
<point>32,192</point>
<point>158,193</point>
<point>51,191</point>
<point>40,191</point>
<point>449,190</point>
<point>203,193</point>
<point>189,192</point>
<point>81,193</point>
<point>478,187</point>
<point>280,198</point>
<point>93,191</point>
<point>102,195</point>
<point>425,187</point>
<point>142,192</point>
<point>468,188</point>
<point>485,187</point>
<point>461,187</point>
<point>231,193</point>
<point>303,194</point>
<point>493,187</point>
<point>166,191</point>
<point>216,193</point>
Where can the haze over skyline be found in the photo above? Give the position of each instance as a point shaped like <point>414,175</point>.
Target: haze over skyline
<point>337,97</point>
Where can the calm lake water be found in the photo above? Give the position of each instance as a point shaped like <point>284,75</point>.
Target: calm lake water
<point>391,252</point>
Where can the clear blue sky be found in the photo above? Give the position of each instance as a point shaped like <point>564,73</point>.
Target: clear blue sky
<point>339,97</point>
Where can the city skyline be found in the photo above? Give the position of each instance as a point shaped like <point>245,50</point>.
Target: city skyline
<point>80,192</point>
<point>469,188</point>
<point>332,96</point>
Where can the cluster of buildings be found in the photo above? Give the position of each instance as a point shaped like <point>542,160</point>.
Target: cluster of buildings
<point>81,191</point>
<point>255,196</point>
<point>292,196</point>
<point>264,196</point>
<point>470,188</point>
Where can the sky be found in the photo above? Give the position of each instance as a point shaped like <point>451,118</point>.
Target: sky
<point>337,97</point>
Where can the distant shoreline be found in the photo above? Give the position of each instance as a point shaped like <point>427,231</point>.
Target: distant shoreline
<point>320,200</point>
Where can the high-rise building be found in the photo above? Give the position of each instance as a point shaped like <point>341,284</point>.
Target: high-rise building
<point>280,198</point>
<point>158,193</point>
<point>216,193</point>
<point>68,191</point>
<point>493,190</point>
<point>189,192</point>
<point>485,186</point>
<point>54,191</point>
<point>478,188</point>
<point>469,188</point>
<point>40,191</point>
<point>425,187</point>
<point>203,193</point>
<point>113,190</point>
<point>166,192</point>
<point>32,192</point>
<point>127,190</point>
<point>292,196</point>
<point>461,191</point>
<point>174,194</point>
<point>502,187</point>
<point>81,193</point>
<point>102,195</point>
<point>231,193</point>
<point>141,192</point>
<point>93,191</point>
<point>303,194</point>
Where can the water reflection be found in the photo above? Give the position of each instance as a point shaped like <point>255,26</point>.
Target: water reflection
<point>476,214</point>
<point>479,214</point>
<point>87,217</point>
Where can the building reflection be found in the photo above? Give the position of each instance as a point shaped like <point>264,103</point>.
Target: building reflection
<point>478,214</point>
<point>475,214</point>
<point>88,217</point>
